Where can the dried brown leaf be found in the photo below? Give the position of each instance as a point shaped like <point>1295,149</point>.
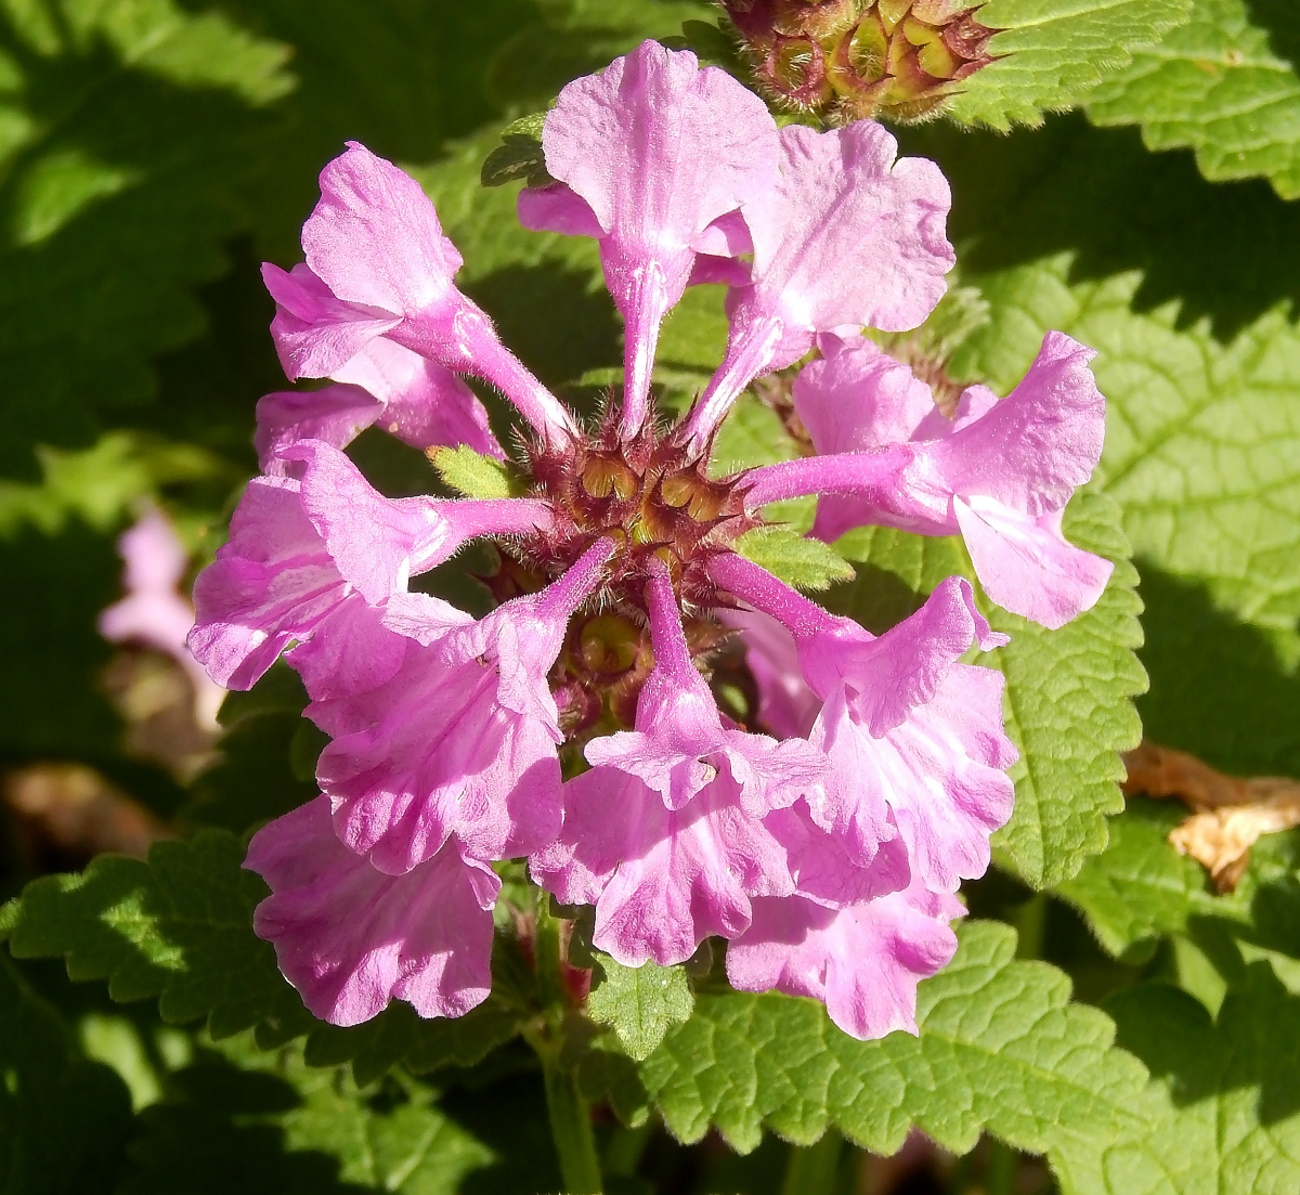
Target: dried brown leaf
<point>1230,813</point>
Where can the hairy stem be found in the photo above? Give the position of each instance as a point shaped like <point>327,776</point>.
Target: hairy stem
<point>570,1117</point>
<point>570,1126</point>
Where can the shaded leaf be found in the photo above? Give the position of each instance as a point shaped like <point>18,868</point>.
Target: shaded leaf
<point>1226,85</point>
<point>1222,1106</point>
<point>63,1121</point>
<point>519,157</point>
<point>178,928</point>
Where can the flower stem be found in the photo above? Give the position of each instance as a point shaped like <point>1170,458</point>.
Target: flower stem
<point>570,1126</point>
<point>813,1167</point>
<point>569,1114</point>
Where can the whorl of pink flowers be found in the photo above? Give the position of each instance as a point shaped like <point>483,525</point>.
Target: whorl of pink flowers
<point>574,724</point>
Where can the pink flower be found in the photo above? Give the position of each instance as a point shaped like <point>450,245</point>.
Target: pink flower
<point>313,560</point>
<point>461,740</point>
<point>827,855</point>
<point>914,735</point>
<point>836,193</point>
<point>653,154</point>
<point>378,264</point>
<point>153,613</point>
<point>665,834</point>
<point>351,938</point>
<point>999,474</point>
<point>863,961</point>
<point>410,397</point>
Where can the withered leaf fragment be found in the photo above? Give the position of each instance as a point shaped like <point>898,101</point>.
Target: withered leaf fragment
<point>1230,814</point>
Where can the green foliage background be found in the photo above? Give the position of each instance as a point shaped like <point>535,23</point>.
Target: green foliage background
<point>1127,173</point>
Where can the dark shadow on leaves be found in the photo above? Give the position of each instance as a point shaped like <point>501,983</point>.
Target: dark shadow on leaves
<point>503,1115</point>
<point>1278,19</point>
<point>1227,251</point>
<point>401,76</point>
<point>1254,1042</point>
<point>95,283</point>
<point>56,585</point>
<point>530,304</point>
<point>877,598</point>
<point>216,1133</point>
<point>1218,688</point>
<point>195,903</point>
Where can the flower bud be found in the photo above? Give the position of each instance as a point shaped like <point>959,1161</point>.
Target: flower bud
<point>850,59</point>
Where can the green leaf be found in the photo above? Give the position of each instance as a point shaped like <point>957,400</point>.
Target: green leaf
<point>1069,692</point>
<point>1225,85</point>
<point>639,1003</point>
<point>63,1121</point>
<point>804,563</point>
<point>578,37</point>
<point>1052,53</point>
<point>1140,888</point>
<point>519,157</point>
<point>1000,1049</point>
<point>178,928</point>
<point>399,1034</point>
<point>1201,444</point>
<point>475,475</point>
<point>1221,1104</point>
<point>266,1124</point>
<point>124,132</point>
<point>1069,704</point>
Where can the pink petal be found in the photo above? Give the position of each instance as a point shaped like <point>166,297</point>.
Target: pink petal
<point>374,237</point>
<point>662,881</point>
<point>1034,448</point>
<point>1026,565</point>
<point>903,668</point>
<point>462,740</point>
<point>786,705</point>
<point>659,149</point>
<point>680,744</point>
<point>435,752</point>
<point>864,961</point>
<point>376,543</point>
<point>824,872</point>
<point>335,415</point>
<point>274,582</point>
<point>850,236</point>
<point>942,774</point>
<point>859,397</point>
<point>424,404</point>
<point>316,333</point>
<point>555,208</point>
<point>351,938</point>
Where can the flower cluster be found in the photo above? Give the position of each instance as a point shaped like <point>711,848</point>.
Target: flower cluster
<point>574,724</point>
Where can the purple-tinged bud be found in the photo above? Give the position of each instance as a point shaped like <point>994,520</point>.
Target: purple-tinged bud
<point>847,60</point>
